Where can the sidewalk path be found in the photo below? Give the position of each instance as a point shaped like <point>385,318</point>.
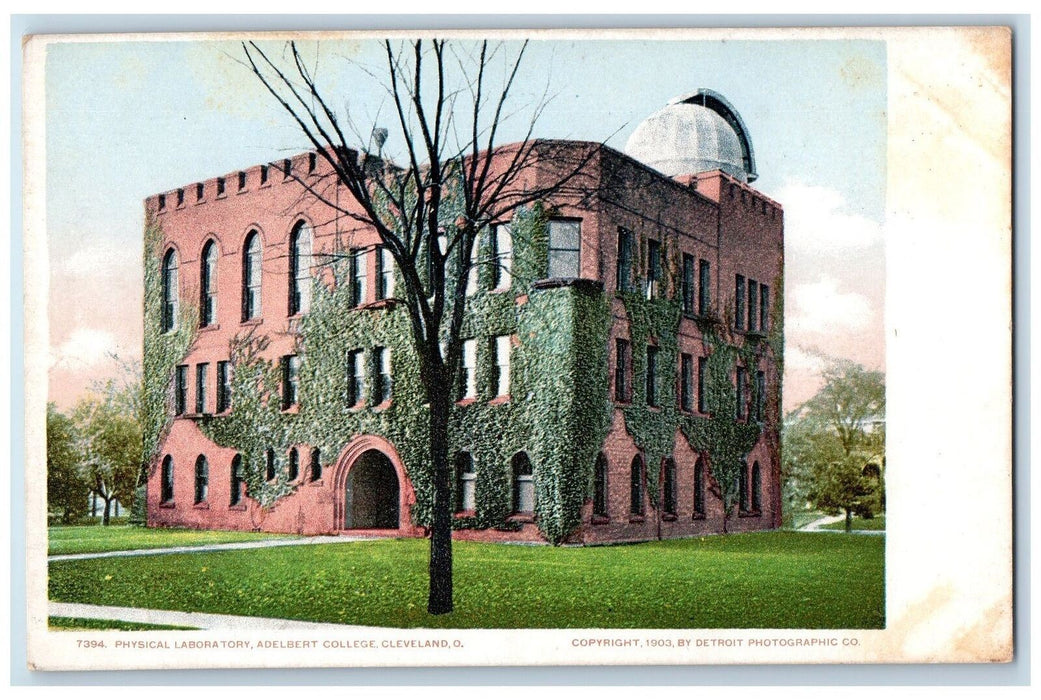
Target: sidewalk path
<point>818,526</point>
<point>205,621</point>
<point>258,544</point>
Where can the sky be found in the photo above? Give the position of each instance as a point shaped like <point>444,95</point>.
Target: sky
<point>125,120</point>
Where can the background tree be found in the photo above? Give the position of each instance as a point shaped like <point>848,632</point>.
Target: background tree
<point>67,491</point>
<point>109,441</point>
<point>430,209</point>
<point>833,447</point>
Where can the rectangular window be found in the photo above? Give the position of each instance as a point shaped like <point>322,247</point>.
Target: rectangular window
<point>384,380</point>
<point>764,309</point>
<point>624,271</point>
<point>181,390</point>
<point>653,268</point>
<point>503,346</point>
<point>564,238</point>
<point>704,288</point>
<point>220,187</point>
<point>621,370</point>
<point>180,197</point>
<point>469,378</point>
<point>472,281</point>
<point>739,302</point>
<point>355,377</point>
<point>200,191</point>
<point>358,273</point>
<point>384,273</point>
<point>287,168</point>
<point>263,174</point>
<point>753,306</point>
<point>502,254</point>
<point>200,387</point>
<point>242,179</point>
<point>688,284</point>
<point>290,381</point>
<point>760,396</point>
<point>223,386</point>
<point>702,385</point>
<point>742,394</point>
<point>466,485</point>
<point>652,375</point>
<point>312,162</point>
<point>686,382</point>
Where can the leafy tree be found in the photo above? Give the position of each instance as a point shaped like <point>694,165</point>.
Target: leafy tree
<point>110,442</point>
<point>67,491</point>
<point>834,444</point>
<point>451,184</point>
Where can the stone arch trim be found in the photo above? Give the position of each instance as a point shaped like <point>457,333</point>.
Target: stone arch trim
<point>346,461</point>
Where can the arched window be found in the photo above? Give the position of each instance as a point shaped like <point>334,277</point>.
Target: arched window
<point>600,485</point>
<point>208,285</point>
<point>465,482</point>
<point>300,269</point>
<point>202,479</point>
<point>251,273</point>
<point>523,484</point>
<point>669,487</point>
<point>269,471</point>
<point>316,464</point>
<point>636,486</point>
<point>236,480</point>
<point>757,488</point>
<point>171,292</point>
<point>742,486</point>
<point>699,488</point>
<point>166,488</point>
<point>294,464</point>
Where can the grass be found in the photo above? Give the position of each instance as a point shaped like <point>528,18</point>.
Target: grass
<point>98,538</point>
<point>83,623</point>
<point>756,580</point>
<point>876,523</point>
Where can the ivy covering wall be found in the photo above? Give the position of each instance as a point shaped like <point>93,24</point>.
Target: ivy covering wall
<point>559,410</point>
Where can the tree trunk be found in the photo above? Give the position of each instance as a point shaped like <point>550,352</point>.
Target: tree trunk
<point>108,505</point>
<point>439,601</point>
<point>849,519</point>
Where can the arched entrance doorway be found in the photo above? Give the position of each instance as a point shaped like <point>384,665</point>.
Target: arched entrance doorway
<point>372,494</point>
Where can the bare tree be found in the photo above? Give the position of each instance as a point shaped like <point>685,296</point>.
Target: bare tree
<point>449,119</point>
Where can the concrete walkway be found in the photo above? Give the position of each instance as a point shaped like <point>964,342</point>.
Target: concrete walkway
<point>205,621</point>
<point>818,526</point>
<point>194,549</point>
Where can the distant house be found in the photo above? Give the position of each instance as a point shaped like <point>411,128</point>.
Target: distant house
<point>623,352</point>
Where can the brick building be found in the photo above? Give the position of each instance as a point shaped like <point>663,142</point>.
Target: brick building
<point>621,373</point>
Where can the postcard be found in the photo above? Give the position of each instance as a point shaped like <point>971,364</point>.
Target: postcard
<point>518,348</point>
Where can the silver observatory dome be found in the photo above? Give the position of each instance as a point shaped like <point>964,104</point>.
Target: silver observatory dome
<point>695,133</point>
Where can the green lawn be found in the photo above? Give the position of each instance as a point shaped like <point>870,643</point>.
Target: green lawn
<point>80,539</point>
<point>82,623</point>
<point>773,579</point>
<point>876,523</point>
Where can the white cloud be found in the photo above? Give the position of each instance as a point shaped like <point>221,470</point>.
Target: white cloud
<point>815,220</point>
<point>819,307</point>
<point>84,348</point>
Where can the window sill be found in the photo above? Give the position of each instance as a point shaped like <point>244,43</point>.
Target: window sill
<point>382,406</point>
<point>197,415</point>
<point>697,516</point>
<point>291,410</point>
<point>467,401</point>
<point>201,506</point>
<point>458,515</point>
<point>168,504</point>
<point>654,407</point>
<point>668,517</point>
<point>636,518</point>
<point>599,520</point>
<point>251,322</point>
<point>499,400</point>
<point>209,327</point>
<point>384,303</point>
<point>360,406</point>
<point>750,514</point>
<point>317,483</point>
<point>521,518</point>
<point>238,507</point>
